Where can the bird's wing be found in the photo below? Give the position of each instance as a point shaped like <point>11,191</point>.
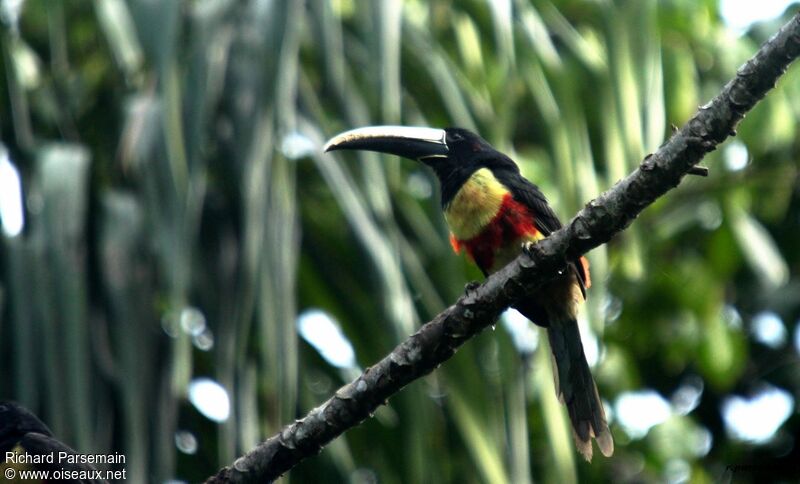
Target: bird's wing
<point>528,194</point>
<point>545,218</point>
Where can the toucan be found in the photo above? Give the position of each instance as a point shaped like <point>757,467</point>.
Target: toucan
<point>28,445</point>
<point>493,213</point>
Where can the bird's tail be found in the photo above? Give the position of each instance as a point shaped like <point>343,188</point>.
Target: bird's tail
<point>575,387</point>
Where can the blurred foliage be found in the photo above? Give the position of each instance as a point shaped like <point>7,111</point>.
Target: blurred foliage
<point>179,215</point>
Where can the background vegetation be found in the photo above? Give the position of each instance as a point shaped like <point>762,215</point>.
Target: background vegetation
<point>179,216</point>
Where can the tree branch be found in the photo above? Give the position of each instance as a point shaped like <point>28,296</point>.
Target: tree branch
<point>599,220</point>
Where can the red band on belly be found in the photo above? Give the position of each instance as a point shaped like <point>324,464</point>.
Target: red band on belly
<point>512,222</point>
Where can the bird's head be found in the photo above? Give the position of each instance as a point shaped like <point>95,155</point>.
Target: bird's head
<point>454,154</point>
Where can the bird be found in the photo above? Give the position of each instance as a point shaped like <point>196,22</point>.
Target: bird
<point>493,213</point>
<point>34,448</point>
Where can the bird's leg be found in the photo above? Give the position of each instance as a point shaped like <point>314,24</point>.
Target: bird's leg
<point>528,247</point>
<point>471,286</point>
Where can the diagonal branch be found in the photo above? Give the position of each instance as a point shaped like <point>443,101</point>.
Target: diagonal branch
<point>603,217</point>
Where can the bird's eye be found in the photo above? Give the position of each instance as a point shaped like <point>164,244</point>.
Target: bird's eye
<point>456,137</point>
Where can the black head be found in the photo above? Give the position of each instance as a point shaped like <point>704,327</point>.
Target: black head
<point>454,154</point>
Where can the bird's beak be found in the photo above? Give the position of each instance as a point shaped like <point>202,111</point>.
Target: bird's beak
<point>421,144</point>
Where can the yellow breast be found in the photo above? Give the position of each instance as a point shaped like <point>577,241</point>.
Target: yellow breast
<point>475,204</point>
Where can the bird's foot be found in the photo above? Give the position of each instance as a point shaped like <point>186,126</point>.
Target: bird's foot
<point>528,247</point>
<point>470,287</point>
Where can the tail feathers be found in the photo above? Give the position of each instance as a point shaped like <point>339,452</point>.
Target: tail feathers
<point>576,388</point>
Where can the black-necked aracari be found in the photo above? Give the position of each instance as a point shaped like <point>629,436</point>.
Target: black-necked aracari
<point>493,212</point>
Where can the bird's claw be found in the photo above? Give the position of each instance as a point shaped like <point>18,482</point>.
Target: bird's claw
<point>527,247</point>
<point>471,287</point>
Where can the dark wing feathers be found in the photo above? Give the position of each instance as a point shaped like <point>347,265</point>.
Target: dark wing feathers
<point>529,194</point>
<point>545,220</point>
